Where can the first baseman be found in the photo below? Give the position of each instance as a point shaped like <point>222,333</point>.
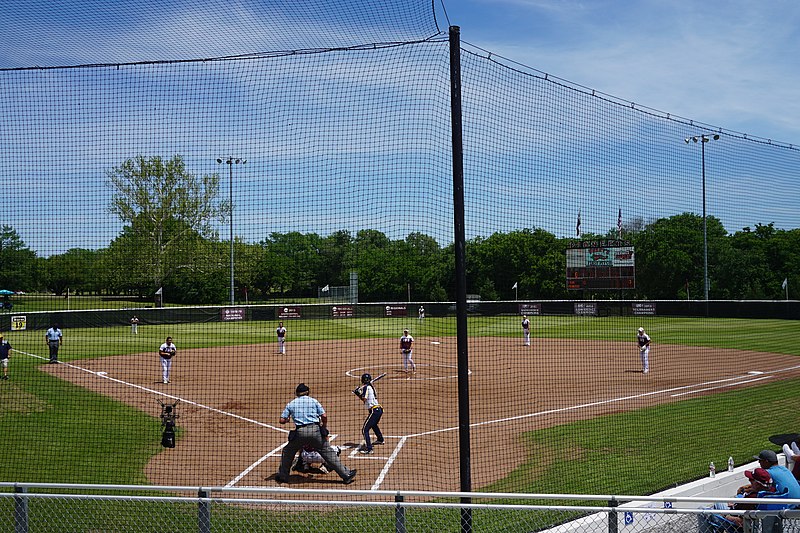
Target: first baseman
<point>167,352</point>
<point>644,349</point>
<point>406,347</point>
<point>526,330</point>
<point>281,333</point>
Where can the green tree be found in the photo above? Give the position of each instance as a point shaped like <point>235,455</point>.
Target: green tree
<point>77,270</point>
<point>669,253</point>
<point>17,262</point>
<point>165,208</point>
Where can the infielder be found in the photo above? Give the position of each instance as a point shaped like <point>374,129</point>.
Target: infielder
<point>407,348</point>
<point>367,395</point>
<point>644,350</point>
<point>526,330</point>
<point>281,332</point>
<point>167,352</point>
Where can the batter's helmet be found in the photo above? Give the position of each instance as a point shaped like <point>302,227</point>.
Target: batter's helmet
<point>366,378</point>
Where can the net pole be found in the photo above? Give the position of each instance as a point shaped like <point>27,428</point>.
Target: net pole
<point>459,241</point>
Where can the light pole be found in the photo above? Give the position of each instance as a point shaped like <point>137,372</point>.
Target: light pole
<point>703,139</point>
<point>230,161</point>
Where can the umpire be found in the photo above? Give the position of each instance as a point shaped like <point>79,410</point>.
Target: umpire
<point>310,421</point>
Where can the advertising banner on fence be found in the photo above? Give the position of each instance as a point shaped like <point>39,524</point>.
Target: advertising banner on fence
<point>288,312</point>
<point>343,311</point>
<point>396,310</point>
<point>530,309</point>
<point>586,308</point>
<point>19,323</point>
<point>643,308</point>
<point>231,313</point>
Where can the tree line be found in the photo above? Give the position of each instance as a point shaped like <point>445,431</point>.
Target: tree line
<point>168,242</point>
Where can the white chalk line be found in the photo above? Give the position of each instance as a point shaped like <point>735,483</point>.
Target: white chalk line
<point>105,375</point>
<point>389,462</point>
<point>697,391</point>
<point>737,379</point>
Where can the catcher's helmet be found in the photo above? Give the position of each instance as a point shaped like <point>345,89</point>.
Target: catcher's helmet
<point>366,378</point>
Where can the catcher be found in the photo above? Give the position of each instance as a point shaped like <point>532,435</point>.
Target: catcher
<point>167,352</point>
<point>366,393</point>
<point>644,349</point>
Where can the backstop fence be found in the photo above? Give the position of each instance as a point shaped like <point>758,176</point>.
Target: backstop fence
<point>235,178</point>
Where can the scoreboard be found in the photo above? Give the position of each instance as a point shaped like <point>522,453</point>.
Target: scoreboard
<point>601,264</point>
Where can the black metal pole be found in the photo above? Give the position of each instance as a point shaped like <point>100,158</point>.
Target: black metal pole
<point>703,141</point>
<point>459,240</point>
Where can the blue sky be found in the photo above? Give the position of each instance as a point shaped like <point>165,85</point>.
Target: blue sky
<point>732,67</point>
<point>732,64</point>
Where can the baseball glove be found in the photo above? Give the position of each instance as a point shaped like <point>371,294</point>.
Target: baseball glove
<point>168,354</point>
<point>642,348</point>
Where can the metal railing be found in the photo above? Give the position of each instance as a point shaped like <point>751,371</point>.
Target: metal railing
<point>34,507</point>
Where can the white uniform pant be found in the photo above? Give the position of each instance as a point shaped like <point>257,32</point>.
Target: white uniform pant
<point>526,333</point>
<point>408,360</point>
<point>282,345</point>
<point>645,355</point>
<point>166,366</point>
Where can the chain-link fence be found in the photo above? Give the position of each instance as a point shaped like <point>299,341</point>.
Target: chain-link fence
<point>56,507</point>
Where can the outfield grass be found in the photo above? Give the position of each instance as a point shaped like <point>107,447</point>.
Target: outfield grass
<point>47,439</point>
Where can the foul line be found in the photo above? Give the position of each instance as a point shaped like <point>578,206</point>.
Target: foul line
<point>737,379</point>
<point>389,462</point>
<point>720,386</point>
<point>164,394</point>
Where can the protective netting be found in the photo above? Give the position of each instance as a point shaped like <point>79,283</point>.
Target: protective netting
<point>125,179</point>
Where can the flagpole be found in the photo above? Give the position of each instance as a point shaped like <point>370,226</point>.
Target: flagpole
<point>516,292</point>
<point>786,288</point>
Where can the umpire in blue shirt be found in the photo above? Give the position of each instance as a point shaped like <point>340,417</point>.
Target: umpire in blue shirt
<point>310,423</point>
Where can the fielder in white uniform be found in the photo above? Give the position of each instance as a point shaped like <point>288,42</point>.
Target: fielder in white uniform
<point>281,332</point>
<point>167,352</point>
<point>644,350</point>
<point>407,348</point>
<point>526,330</point>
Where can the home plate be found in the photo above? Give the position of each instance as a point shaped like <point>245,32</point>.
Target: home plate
<point>755,372</point>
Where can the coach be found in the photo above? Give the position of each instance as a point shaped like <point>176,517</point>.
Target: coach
<point>310,421</point>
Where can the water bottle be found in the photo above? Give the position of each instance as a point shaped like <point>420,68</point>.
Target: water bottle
<point>712,470</point>
<point>730,464</point>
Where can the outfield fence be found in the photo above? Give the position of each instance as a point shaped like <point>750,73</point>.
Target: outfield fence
<point>102,318</point>
<point>31,508</point>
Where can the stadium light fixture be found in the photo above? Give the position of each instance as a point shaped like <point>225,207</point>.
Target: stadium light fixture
<point>703,139</point>
<point>230,161</point>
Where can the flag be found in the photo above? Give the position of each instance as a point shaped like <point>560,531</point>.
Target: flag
<point>785,282</point>
<point>159,291</point>
<point>515,285</point>
<point>578,225</point>
<point>619,224</point>
<point>326,288</point>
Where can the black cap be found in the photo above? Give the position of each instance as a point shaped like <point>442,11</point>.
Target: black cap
<point>301,389</point>
<point>768,456</point>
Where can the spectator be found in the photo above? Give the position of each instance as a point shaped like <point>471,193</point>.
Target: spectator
<point>792,453</point>
<point>786,486</point>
